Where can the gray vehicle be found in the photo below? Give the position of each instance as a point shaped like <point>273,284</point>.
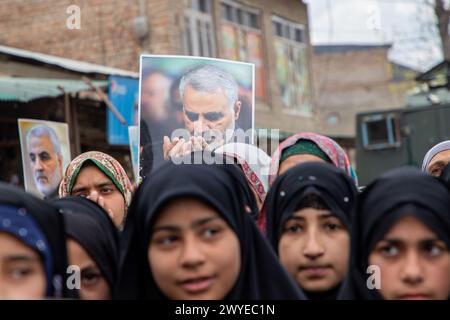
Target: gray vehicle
<point>392,138</point>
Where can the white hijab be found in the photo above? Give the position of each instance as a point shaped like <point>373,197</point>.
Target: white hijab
<point>247,154</point>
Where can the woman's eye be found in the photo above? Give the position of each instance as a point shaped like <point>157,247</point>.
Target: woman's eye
<point>294,228</point>
<point>90,278</point>
<point>435,172</point>
<point>165,241</point>
<point>389,251</point>
<point>106,190</point>
<point>432,249</point>
<point>210,232</point>
<point>332,226</point>
<point>20,273</point>
<point>80,194</point>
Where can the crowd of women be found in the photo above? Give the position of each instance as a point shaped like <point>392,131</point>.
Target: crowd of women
<point>292,226</point>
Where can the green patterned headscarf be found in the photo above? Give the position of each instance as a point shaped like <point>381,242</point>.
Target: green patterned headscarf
<point>304,147</point>
<point>107,164</point>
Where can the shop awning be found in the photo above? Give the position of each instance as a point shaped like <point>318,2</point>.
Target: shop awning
<point>27,89</point>
<point>64,63</point>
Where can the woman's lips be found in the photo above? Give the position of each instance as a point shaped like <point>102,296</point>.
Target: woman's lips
<point>315,271</point>
<point>414,296</point>
<point>197,285</point>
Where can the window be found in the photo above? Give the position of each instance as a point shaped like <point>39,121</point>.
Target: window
<point>201,5</point>
<point>242,39</point>
<point>380,131</point>
<point>278,29</point>
<point>288,30</point>
<point>292,66</point>
<point>240,15</point>
<point>199,32</point>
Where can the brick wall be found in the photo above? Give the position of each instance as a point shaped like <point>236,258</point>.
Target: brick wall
<point>351,82</point>
<point>106,36</point>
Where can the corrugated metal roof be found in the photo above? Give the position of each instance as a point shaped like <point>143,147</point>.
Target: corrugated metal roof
<point>69,64</point>
<point>27,89</point>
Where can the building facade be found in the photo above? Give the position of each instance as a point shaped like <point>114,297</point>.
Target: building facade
<point>349,79</point>
<point>272,34</point>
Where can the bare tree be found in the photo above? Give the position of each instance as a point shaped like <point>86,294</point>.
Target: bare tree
<point>442,11</point>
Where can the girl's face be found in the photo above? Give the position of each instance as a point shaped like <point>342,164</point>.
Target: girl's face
<point>414,263</point>
<point>193,253</point>
<point>92,183</point>
<point>314,249</point>
<point>93,284</point>
<point>22,274</point>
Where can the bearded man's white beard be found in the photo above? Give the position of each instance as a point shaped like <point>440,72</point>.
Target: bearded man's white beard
<point>229,132</point>
<point>48,189</point>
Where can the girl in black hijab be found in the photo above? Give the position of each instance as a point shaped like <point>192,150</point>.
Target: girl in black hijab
<point>189,235</point>
<point>309,212</point>
<point>93,245</point>
<point>401,239</point>
<point>33,246</point>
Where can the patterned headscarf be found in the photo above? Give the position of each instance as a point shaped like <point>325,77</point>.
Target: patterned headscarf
<point>327,145</point>
<point>107,164</point>
<point>254,163</point>
<point>304,147</point>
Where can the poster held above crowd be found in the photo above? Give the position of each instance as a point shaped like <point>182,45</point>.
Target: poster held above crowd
<point>194,103</point>
<point>45,149</point>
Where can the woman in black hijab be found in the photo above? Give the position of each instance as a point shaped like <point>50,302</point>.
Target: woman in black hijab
<point>197,214</point>
<point>401,239</point>
<point>93,246</point>
<point>309,212</point>
<point>33,243</point>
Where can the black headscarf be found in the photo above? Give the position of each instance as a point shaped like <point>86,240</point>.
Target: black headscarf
<point>397,193</point>
<point>332,185</point>
<point>88,224</point>
<point>329,183</point>
<point>50,224</point>
<point>261,276</point>
<point>146,155</point>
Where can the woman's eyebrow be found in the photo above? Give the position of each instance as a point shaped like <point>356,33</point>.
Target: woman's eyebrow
<point>300,218</point>
<point>394,241</point>
<point>430,239</point>
<point>21,258</point>
<point>195,224</point>
<point>166,228</point>
<point>104,184</point>
<point>78,189</point>
<point>90,269</point>
<point>202,221</point>
<point>101,184</point>
<point>327,215</point>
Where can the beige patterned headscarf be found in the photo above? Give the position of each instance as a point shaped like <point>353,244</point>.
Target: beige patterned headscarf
<point>107,164</point>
